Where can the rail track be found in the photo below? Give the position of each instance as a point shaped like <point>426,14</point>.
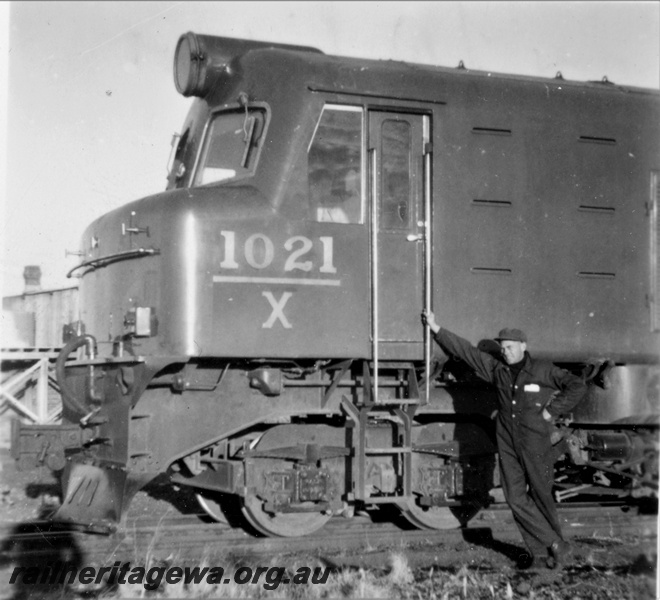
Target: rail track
<point>190,537</point>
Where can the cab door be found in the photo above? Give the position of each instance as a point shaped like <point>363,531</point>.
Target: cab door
<point>399,152</point>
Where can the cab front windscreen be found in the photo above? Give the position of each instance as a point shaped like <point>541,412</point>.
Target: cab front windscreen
<point>231,146</point>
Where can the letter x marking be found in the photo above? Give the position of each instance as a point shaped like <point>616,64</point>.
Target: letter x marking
<point>278,310</point>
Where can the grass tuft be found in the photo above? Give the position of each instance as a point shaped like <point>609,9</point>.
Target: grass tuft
<point>400,573</point>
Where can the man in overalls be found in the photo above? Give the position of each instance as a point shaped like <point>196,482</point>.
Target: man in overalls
<point>523,433</point>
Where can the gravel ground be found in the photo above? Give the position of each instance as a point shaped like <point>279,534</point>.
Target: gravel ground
<point>604,567</point>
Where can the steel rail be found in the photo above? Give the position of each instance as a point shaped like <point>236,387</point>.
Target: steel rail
<point>189,537</point>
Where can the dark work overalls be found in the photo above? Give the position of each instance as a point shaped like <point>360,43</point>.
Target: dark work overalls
<point>523,435</point>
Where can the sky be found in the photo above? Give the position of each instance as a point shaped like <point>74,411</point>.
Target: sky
<point>90,107</point>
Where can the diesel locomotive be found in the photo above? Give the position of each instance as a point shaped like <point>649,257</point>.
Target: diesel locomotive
<point>253,332</point>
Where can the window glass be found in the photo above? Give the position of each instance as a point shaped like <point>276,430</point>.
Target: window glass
<point>335,166</point>
<point>230,146</point>
<point>396,189</point>
<point>178,168</point>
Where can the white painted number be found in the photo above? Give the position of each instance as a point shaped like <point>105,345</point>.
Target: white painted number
<point>327,266</point>
<point>259,252</point>
<point>229,261</point>
<point>305,247</point>
<point>263,258</point>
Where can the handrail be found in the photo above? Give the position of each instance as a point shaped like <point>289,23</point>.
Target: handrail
<point>428,253</point>
<point>373,164</point>
<point>94,263</point>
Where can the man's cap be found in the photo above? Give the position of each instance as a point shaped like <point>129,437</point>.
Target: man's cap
<point>514,335</point>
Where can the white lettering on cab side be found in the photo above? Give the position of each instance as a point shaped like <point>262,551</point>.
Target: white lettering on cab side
<point>259,252</point>
<point>278,310</point>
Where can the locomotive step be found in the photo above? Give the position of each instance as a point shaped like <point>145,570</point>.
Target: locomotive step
<point>395,401</point>
<point>389,450</point>
<point>387,499</point>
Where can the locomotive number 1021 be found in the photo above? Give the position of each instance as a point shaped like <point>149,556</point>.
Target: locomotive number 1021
<point>258,251</point>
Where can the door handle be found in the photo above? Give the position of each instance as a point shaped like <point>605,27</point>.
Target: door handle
<point>415,237</point>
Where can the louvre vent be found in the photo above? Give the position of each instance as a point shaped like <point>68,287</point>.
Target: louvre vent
<point>490,131</point>
<point>596,274</point>
<point>482,202</point>
<point>603,210</point>
<point>491,271</point>
<point>597,140</point>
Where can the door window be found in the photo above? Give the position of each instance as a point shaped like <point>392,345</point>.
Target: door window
<point>396,191</point>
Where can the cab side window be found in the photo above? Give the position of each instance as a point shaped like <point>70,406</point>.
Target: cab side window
<point>335,166</point>
<point>178,168</point>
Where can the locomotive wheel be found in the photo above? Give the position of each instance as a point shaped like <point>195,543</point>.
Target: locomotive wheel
<point>291,524</point>
<point>213,507</point>
<point>281,524</point>
<point>438,517</point>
